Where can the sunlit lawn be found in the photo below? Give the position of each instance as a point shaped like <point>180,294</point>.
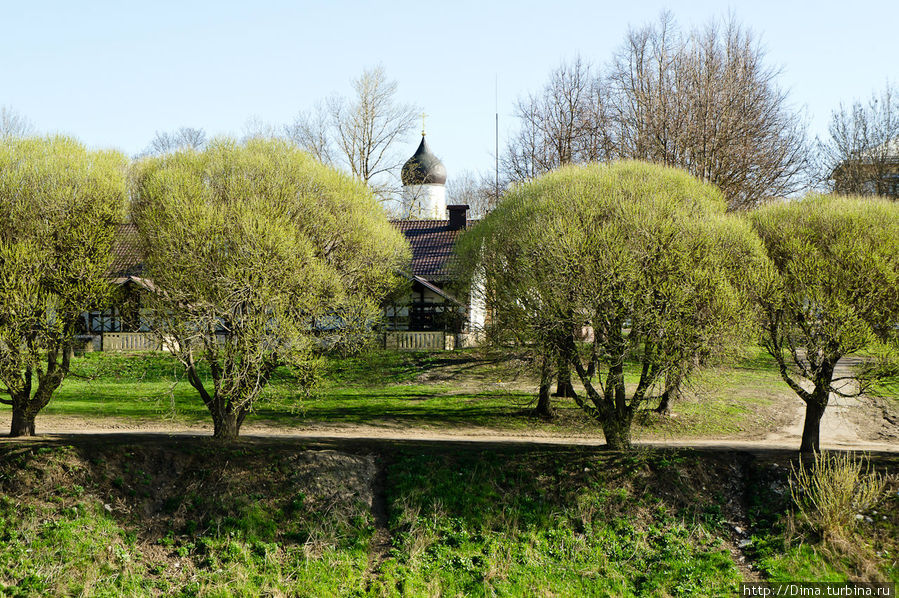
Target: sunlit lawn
<point>373,389</point>
<point>387,388</point>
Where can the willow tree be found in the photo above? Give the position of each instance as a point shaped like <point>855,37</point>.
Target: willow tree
<point>835,291</point>
<point>630,270</point>
<point>259,255</point>
<point>59,205</point>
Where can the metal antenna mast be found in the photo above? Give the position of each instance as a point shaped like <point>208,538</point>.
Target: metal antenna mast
<point>496,137</point>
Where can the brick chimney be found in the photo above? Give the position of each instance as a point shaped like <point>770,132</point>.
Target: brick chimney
<point>457,217</point>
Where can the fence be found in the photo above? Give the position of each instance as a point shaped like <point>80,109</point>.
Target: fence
<point>130,341</point>
<point>404,341</point>
<point>418,341</point>
<point>430,341</point>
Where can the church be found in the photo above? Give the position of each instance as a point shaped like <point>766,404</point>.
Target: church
<point>429,318</point>
<point>431,230</point>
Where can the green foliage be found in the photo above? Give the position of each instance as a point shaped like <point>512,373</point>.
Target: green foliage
<point>259,255</point>
<point>837,265</point>
<point>59,205</point>
<point>833,290</point>
<point>642,255</point>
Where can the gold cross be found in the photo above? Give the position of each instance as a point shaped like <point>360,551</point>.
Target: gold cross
<point>423,115</point>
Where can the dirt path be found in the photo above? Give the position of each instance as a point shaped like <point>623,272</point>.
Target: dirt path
<point>58,426</point>
<point>848,422</point>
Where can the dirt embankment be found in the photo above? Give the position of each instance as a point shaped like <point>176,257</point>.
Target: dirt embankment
<point>180,498</point>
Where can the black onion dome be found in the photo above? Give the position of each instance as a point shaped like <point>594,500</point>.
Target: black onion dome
<point>423,168</point>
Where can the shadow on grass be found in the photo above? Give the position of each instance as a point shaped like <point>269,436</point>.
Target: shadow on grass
<point>375,413</point>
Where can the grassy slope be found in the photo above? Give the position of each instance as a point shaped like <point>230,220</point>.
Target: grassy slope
<point>888,388</point>
<point>420,389</point>
<point>189,517</point>
<point>787,550</point>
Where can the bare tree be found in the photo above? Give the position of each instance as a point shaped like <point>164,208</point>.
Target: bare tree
<point>312,132</point>
<point>477,190</point>
<point>703,101</point>
<point>861,156</point>
<point>561,124</point>
<point>256,128</point>
<point>366,126</point>
<point>646,75</point>
<point>13,124</point>
<point>359,133</point>
<point>185,137</point>
<point>706,102</point>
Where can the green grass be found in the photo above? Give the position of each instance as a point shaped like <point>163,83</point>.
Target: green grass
<point>191,517</point>
<point>442,391</point>
<point>492,524</point>
<point>733,399</point>
<point>373,389</point>
<point>88,549</point>
<point>199,519</point>
<point>161,522</point>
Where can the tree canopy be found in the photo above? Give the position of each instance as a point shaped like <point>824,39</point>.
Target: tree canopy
<point>259,255</point>
<point>834,290</point>
<point>638,261</point>
<point>59,205</point>
<point>704,100</point>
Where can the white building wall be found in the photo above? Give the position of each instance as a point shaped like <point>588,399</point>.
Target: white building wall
<point>477,306</point>
<point>425,201</point>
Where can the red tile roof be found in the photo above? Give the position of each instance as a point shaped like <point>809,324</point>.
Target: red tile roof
<point>126,256</point>
<point>432,244</point>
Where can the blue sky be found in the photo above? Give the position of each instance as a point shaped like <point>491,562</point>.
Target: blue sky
<point>113,73</point>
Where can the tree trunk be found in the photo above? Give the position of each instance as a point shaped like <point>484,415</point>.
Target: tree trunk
<point>544,407</point>
<point>617,431</point>
<point>22,422</point>
<point>811,430</point>
<point>672,392</point>
<point>815,406</point>
<point>26,406</point>
<point>664,407</point>
<point>226,426</point>
<point>564,388</point>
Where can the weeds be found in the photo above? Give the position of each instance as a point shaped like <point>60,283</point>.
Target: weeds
<point>832,493</point>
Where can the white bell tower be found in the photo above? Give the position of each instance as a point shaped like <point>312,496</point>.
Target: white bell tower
<point>424,183</point>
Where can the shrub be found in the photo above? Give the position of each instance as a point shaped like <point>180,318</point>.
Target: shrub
<point>833,490</point>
